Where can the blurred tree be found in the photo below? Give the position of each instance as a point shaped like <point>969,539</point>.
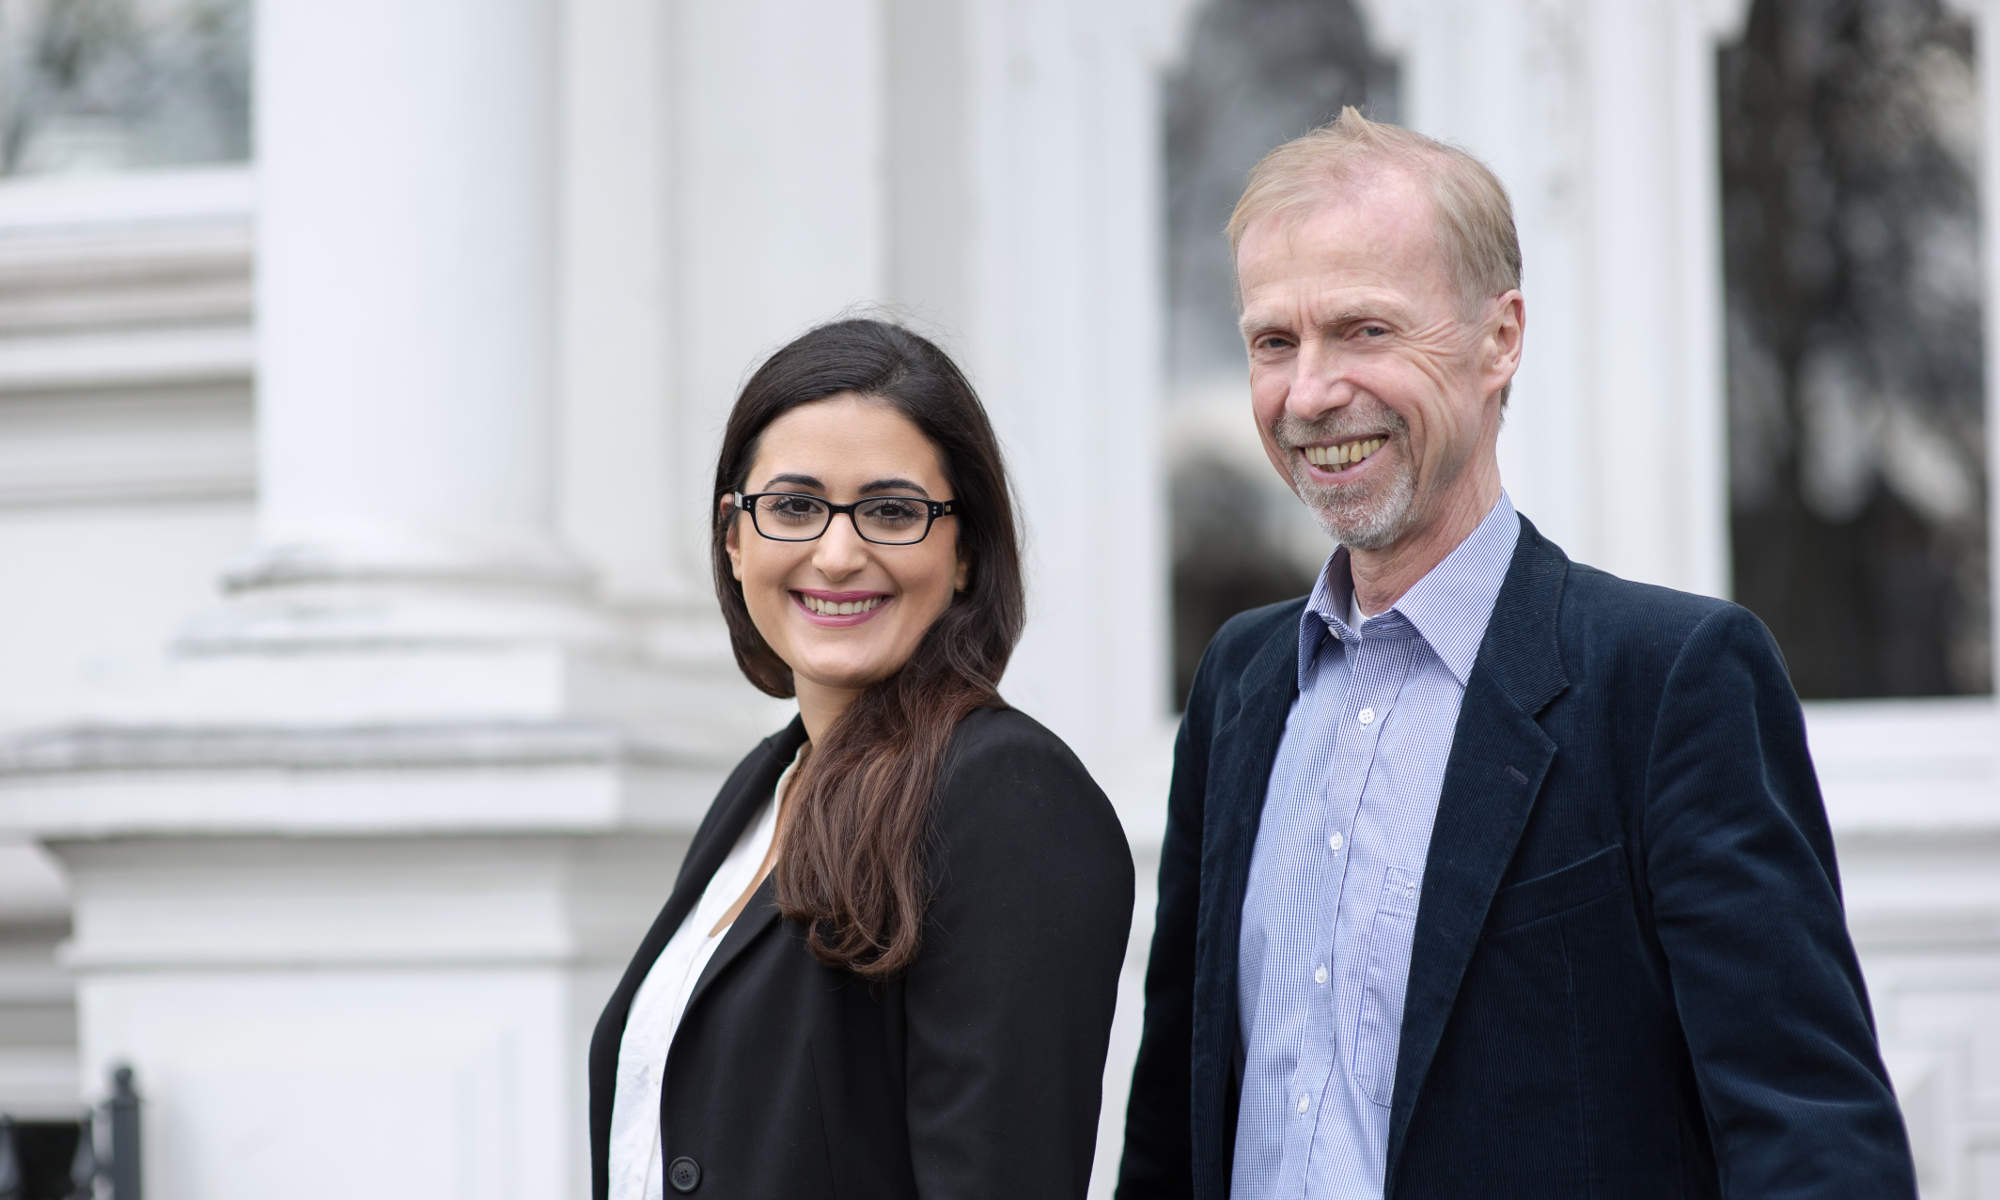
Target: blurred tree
<point>1858,474</point>
<point>96,85</point>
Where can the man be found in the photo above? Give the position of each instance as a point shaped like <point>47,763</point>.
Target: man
<point>1485,873</point>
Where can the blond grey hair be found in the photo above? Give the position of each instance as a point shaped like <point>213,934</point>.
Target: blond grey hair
<point>1475,221</point>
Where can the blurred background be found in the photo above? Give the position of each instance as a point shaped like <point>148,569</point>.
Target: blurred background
<point>361,368</point>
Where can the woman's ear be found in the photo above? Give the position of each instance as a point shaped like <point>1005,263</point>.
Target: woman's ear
<point>731,541</point>
<point>964,575</point>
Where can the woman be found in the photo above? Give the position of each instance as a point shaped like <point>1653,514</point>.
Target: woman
<point>888,965</point>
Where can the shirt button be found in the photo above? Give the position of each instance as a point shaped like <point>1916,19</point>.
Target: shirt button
<point>1334,841</point>
<point>1366,716</point>
<point>1305,1102</point>
<point>1319,975</point>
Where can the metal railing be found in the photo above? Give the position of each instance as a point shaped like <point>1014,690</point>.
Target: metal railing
<point>105,1165</point>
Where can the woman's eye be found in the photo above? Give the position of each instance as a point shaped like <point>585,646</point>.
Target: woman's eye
<point>894,512</point>
<point>793,508</point>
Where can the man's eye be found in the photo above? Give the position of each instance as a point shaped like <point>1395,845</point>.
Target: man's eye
<point>1271,341</point>
<point>1374,331</point>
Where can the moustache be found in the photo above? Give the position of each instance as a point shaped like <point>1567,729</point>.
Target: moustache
<point>1339,426</point>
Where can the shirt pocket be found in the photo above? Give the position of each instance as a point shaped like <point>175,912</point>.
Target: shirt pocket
<point>1379,1026</point>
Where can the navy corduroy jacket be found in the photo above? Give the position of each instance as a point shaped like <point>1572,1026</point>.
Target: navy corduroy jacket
<point>1631,975</point>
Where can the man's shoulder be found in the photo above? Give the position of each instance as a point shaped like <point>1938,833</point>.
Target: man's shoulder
<point>1599,599</point>
<point>1237,644</point>
<point>1613,625</point>
<point>1249,631</point>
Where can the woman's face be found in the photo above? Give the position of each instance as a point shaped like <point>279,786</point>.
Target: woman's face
<point>843,612</point>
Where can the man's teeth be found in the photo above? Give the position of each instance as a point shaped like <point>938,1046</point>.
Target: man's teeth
<point>844,608</point>
<point>1345,454</point>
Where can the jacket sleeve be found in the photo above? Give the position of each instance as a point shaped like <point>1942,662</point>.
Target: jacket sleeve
<point>1158,1160</point>
<point>1009,1001</point>
<point>1746,902</point>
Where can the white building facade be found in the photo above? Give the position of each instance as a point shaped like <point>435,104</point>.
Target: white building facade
<point>362,679</point>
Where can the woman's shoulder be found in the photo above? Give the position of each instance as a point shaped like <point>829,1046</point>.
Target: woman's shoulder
<point>994,745</point>
<point>1005,769</point>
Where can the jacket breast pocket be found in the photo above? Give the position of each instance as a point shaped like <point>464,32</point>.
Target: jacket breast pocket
<point>1601,874</point>
<point>1379,1026</point>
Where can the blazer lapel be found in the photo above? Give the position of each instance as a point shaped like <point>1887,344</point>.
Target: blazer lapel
<point>1239,769</point>
<point>758,915</point>
<point>1499,756</point>
<point>712,843</point>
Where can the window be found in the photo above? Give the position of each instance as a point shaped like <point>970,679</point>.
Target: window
<point>1849,135</point>
<point>111,85</point>
<point>1255,73</point>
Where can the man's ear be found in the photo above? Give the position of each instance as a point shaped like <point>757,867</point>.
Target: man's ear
<point>1505,329</point>
<point>732,541</point>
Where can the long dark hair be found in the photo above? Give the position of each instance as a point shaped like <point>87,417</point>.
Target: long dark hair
<point>852,869</point>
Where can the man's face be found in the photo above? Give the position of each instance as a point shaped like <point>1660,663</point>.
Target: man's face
<point>1376,395</point>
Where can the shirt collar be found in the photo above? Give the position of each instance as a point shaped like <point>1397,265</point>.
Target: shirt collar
<point>1449,607</point>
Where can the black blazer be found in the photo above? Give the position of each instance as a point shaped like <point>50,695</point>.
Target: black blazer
<point>976,1072</point>
<point>1631,974</point>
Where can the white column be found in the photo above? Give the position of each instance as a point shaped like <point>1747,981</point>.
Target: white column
<point>1599,116</point>
<point>1025,183</point>
<point>1061,299</point>
<point>406,275</point>
<point>351,879</point>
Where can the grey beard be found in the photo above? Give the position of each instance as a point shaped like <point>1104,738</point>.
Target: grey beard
<point>1371,522</point>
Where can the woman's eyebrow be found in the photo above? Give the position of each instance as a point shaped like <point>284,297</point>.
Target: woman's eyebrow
<point>895,485</point>
<point>796,481</point>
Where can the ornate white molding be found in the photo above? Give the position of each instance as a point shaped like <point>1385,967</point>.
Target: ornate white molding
<point>132,444</point>
<point>126,354</point>
<point>125,255</point>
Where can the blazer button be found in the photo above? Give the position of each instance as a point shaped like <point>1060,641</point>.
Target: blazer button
<point>684,1173</point>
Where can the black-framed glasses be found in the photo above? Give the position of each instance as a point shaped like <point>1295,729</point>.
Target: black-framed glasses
<point>884,520</point>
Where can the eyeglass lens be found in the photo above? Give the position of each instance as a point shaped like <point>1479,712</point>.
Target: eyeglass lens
<point>893,520</point>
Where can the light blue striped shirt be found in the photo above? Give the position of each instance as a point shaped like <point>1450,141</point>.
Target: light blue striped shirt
<point>1338,868</point>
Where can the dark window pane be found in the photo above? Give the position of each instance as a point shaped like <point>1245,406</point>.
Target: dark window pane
<point>1255,73</point>
<point>1857,446</point>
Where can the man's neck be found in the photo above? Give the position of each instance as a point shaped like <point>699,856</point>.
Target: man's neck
<point>1381,577</point>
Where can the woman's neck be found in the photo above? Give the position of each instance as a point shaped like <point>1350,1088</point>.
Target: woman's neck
<point>820,707</point>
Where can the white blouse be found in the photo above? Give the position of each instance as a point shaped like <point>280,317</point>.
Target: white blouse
<point>635,1149</point>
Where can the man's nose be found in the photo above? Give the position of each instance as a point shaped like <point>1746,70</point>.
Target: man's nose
<point>840,552</point>
<point>1319,383</point>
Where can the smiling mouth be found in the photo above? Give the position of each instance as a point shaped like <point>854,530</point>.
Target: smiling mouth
<point>839,608</point>
<point>1344,456</point>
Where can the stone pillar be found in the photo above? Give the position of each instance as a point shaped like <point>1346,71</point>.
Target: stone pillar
<point>1027,229</point>
<point>350,882</point>
<point>1618,215</point>
<point>406,270</point>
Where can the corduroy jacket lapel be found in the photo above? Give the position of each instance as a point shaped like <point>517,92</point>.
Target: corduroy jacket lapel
<point>1499,756</point>
<point>1239,769</point>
